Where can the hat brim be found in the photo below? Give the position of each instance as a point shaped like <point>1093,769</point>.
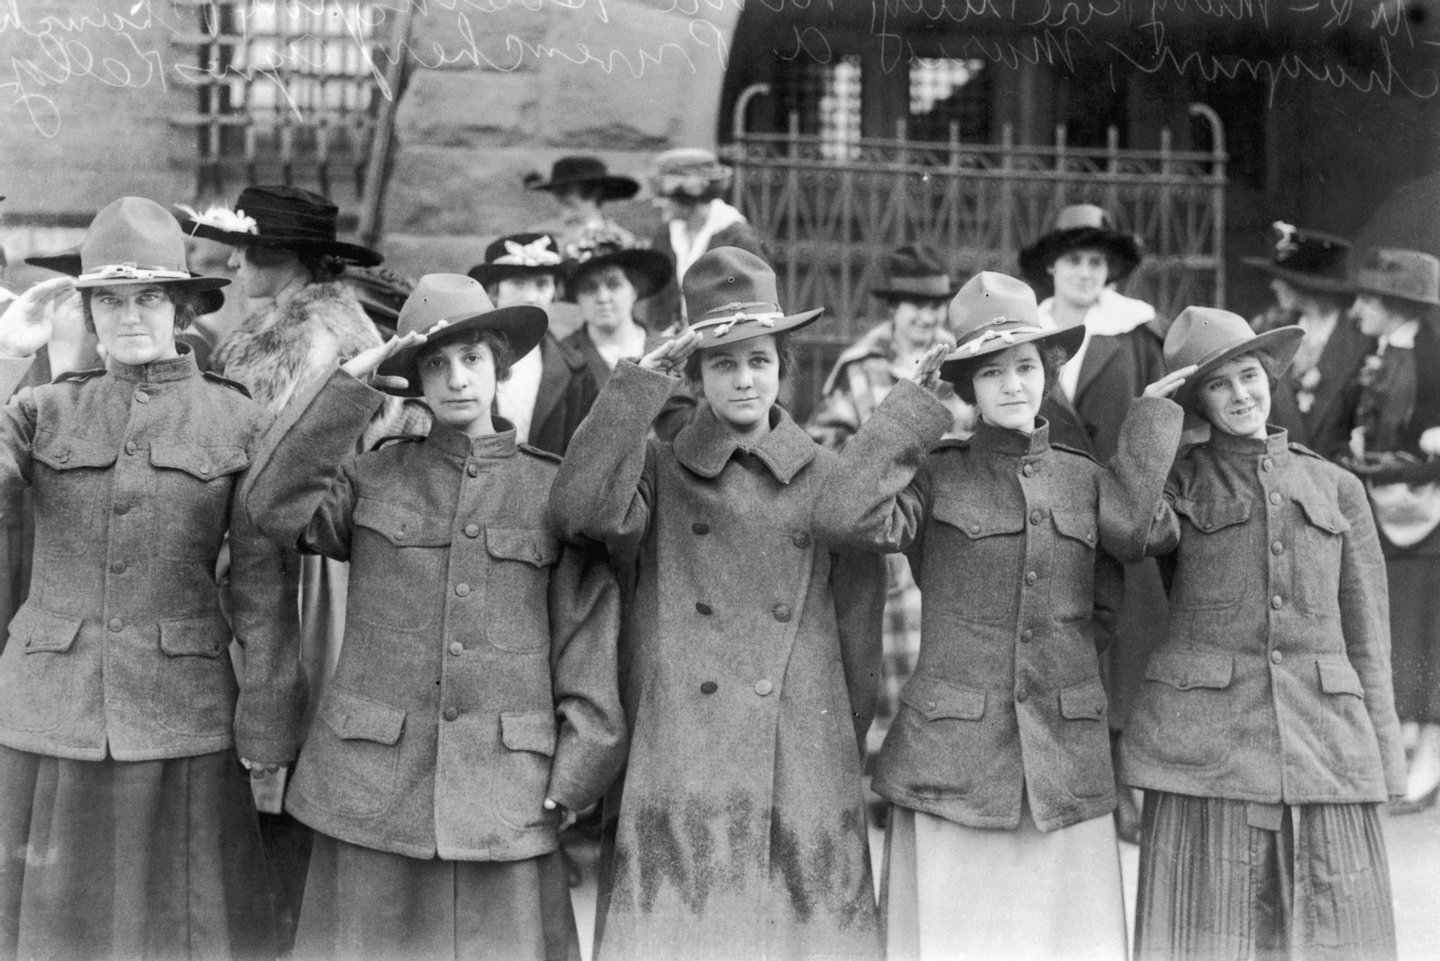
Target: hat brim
<point>654,269</point>
<point>612,186</point>
<point>1036,259</point>
<point>1067,339</point>
<point>1338,285</point>
<point>67,262</point>
<point>749,330</point>
<point>356,254</point>
<point>523,326</point>
<point>1279,345</point>
<point>900,293</point>
<point>494,273</point>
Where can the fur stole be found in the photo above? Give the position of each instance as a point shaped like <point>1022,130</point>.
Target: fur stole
<point>293,338</point>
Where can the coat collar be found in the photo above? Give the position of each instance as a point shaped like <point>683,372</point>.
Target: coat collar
<point>705,446</point>
<point>1276,445</point>
<point>157,371</point>
<point>1013,443</point>
<point>460,445</point>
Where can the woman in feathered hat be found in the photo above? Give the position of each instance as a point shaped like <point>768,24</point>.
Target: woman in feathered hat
<point>126,820</point>
<point>1265,734</point>
<point>749,652</point>
<point>1000,841</point>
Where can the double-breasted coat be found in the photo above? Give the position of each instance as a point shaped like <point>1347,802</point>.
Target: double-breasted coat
<point>1003,531</point>
<point>750,656</point>
<point>1273,681</point>
<point>477,675</point>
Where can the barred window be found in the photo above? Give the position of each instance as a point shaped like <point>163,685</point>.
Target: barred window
<point>286,93</point>
<point>826,97</point>
<point>943,92</point>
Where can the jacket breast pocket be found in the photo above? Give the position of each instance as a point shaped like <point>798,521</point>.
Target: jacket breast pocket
<point>1214,565</point>
<point>527,741</point>
<point>406,545</point>
<point>1183,714</point>
<point>1072,573</point>
<point>37,669</point>
<point>518,590</point>
<point>938,744</point>
<point>351,758</point>
<point>192,688</point>
<point>1320,529</point>
<point>980,566</point>
<point>69,482</point>
<point>194,483</point>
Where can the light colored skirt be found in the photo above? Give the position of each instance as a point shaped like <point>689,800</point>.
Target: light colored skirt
<point>954,892</point>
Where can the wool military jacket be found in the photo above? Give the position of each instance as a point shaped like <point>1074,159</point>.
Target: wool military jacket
<point>120,649</point>
<point>477,675</point>
<point>1273,681</point>
<point>1003,533</point>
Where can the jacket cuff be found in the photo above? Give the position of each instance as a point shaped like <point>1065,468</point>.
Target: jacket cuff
<point>649,387</point>
<point>917,411</point>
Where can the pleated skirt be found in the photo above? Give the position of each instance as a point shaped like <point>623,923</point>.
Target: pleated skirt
<point>948,891</point>
<point>1222,879</point>
<point>365,904</point>
<point>130,860</point>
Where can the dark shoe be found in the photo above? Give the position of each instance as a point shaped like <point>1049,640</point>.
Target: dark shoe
<point>1414,805</point>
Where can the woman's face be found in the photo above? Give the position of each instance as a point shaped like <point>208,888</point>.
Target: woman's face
<point>1080,275</point>
<point>1009,387</point>
<point>260,281</point>
<point>1375,319</point>
<point>740,382</point>
<point>534,290</point>
<point>1235,397</point>
<point>606,298</point>
<point>916,323</point>
<point>135,323</point>
<point>673,208</point>
<point>458,381</point>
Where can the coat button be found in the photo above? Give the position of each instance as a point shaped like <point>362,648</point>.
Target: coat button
<point>1027,635</point>
<point>1267,464</point>
<point>473,470</point>
<point>1032,578</point>
<point>116,624</point>
<point>1036,517</point>
<point>702,608</point>
<point>700,527</point>
<point>1277,548</point>
<point>64,455</point>
<point>801,540</point>
<point>1277,602</point>
<point>1276,657</point>
<point>763,687</point>
<point>141,397</point>
<point>974,528</point>
<point>1275,497</point>
<point>457,648</point>
<point>782,613</point>
<point>122,509</point>
<point>472,530</point>
<point>450,713</point>
<point>1021,695</point>
<point>118,567</point>
<point>463,590</point>
<point>1184,684</point>
<point>1028,470</point>
<point>709,687</point>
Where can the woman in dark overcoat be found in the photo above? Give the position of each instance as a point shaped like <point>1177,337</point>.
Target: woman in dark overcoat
<point>126,821</point>
<point>1265,734</point>
<point>1000,842</point>
<point>750,654</point>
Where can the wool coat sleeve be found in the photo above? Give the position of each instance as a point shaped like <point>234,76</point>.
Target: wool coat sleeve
<point>858,584</point>
<point>1365,625</point>
<point>1136,519</point>
<point>605,486</point>
<point>584,628</point>
<point>298,484</point>
<point>870,503</point>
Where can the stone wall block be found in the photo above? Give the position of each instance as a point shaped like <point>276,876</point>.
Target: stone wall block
<point>467,109</point>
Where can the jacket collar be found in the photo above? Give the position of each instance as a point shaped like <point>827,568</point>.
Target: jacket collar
<point>1013,443</point>
<point>457,443</point>
<point>705,446</point>
<point>157,371</point>
<point>1276,445</point>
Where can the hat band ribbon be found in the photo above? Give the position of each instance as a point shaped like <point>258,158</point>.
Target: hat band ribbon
<point>536,254</point>
<point>990,336</point>
<point>723,324</point>
<point>131,271</point>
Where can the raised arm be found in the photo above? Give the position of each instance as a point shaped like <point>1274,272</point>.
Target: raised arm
<point>1136,518</point>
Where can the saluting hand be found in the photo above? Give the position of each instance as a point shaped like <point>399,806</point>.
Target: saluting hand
<point>927,369</point>
<point>1171,382</point>
<point>669,357</point>
<point>26,325</point>
<point>364,364</point>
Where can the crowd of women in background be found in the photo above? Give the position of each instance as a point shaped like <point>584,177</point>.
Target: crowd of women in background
<point>481,556</point>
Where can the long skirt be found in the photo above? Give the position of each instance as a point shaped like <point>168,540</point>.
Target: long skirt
<point>1227,879</point>
<point>130,860</point>
<point>1415,633</point>
<point>954,892</point>
<point>366,904</point>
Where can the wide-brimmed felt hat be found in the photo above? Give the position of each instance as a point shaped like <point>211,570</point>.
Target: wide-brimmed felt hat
<point>381,292</point>
<point>1309,259</point>
<point>610,246</point>
<point>519,255</point>
<point>1208,337</point>
<point>279,218</point>
<point>689,172</point>
<point>135,241</point>
<point>68,262</point>
<point>1077,226</point>
<point>1395,272</point>
<point>444,305</point>
<point>731,296</point>
<point>576,171</point>
<point>994,312</point>
<point>915,271</point>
